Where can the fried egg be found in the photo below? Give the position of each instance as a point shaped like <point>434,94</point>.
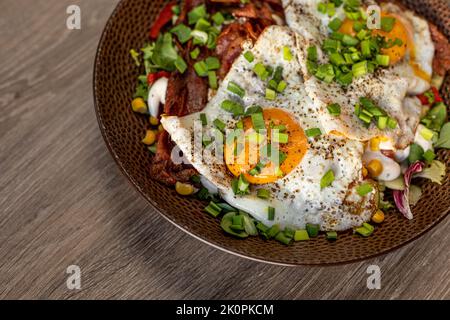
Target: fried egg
<point>295,186</point>
<point>409,73</point>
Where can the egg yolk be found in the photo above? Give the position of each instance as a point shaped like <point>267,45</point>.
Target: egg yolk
<point>249,156</point>
<point>396,53</point>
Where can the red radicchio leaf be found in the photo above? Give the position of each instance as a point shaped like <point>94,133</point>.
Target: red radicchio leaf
<point>401,197</point>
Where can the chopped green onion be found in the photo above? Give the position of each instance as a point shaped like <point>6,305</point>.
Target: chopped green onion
<point>334,109</point>
<point>201,68</point>
<point>236,89</point>
<point>311,66</point>
<point>262,228</point>
<point>364,189</point>
<point>213,63</point>
<point>240,125</point>
<point>249,56</point>
<point>273,231</point>
<point>429,155</point>
<point>335,24</point>
<point>349,41</point>
<point>325,72</point>
<point>182,32</point>
<point>313,132</point>
<point>332,235</point>
<point>196,14</point>
<point>270,94</point>
<point>280,137</point>
<point>312,53</point>
<point>392,123</point>
<point>331,45</point>
<point>176,10</point>
<point>212,79</point>
<point>322,7</point>
<point>363,231</point>
<point>382,122</point>
<point>287,54</point>
<point>359,69</point>
<point>368,226</point>
<point>253,109</point>
<point>202,25</point>
<point>362,34</point>
<point>280,128</point>
<point>365,48</point>
<point>213,209</point>
<point>243,184</point>
<point>271,213</point>
<point>263,193</point>
<point>180,64</point>
<point>200,37</point>
<point>203,119</point>
<point>345,79</point>
<point>382,60</point>
<point>235,108</point>
<point>281,86</point>
<point>331,10</point>
<point>327,179</point>
<point>195,53</point>
<point>353,15</point>
<point>258,121</point>
<point>212,41</point>
<point>283,238</point>
<point>218,18</point>
<point>365,117</point>
<point>337,36</point>
<point>219,124</point>
<point>337,59</point>
<point>261,71</point>
<point>427,134</point>
<point>152,148</point>
<point>387,23</point>
<point>301,235</point>
<point>358,26</point>
<point>312,229</point>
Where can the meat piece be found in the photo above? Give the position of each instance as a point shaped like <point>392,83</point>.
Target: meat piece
<point>229,44</point>
<point>186,93</point>
<point>441,62</point>
<point>163,169</point>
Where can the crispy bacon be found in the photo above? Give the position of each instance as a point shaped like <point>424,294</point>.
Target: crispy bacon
<point>441,62</point>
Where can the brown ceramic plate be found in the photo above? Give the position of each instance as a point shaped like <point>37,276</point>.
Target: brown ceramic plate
<point>114,84</point>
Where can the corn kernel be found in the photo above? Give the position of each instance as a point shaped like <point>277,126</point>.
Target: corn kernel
<point>160,128</point>
<point>378,217</point>
<point>154,121</point>
<point>375,167</point>
<point>184,189</point>
<point>139,105</point>
<point>150,138</point>
<point>364,172</point>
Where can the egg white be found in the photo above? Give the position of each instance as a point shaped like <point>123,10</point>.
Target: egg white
<point>297,197</point>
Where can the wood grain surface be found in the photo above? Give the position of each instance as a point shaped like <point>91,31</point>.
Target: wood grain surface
<point>64,202</point>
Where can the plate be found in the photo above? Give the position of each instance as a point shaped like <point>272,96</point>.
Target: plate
<point>122,129</point>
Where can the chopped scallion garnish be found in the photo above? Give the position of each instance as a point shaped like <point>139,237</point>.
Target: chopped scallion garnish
<point>201,68</point>
<point>213,63</point>
<point>271,213</point>
<point>364,189</point>
<point>270,94</point>
<point>249,56</point>
<point>327,179</point>
<point>219,124</point>
<point>258,121</point>
<point>287,54</point>
<point>263,193</point>
<point>236,89</point>
<point>235,108</point>
<point>212,79</point>
<point>313,132</point>
<point>334,109</point>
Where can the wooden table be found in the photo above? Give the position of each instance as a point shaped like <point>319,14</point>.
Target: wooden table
<point>64,202</point>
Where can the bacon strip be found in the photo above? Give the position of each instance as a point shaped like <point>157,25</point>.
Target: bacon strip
<point>441,62</point>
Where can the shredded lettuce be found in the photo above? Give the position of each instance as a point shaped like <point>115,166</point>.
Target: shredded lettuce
<point>415,192</point>
<point>444,137</point>
<point>164,54</point>
<point>435,172</point>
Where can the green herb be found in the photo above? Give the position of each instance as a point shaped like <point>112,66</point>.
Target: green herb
<point>382,60</point>
<point>335,24</point>
<point>263,193</point>
<point>270,94</point>
<point>364,189</point>
<point>249,56</point>
<point>436,117</point>
<point>253,109</point>
<point>212,79</point>
<point>325,72</point>
<point>280,137</point>
<point>313,132</point>
<point>273,231</point>
<point>180,64</point>
<point>287,54</point>
<point>281,86</point>
<point>227,222</point>
<point>213,63</point>
<point>164,54</point>
<point>235,108</point>
<point>196,14</point>
<point>195,53</point>
<point>219,124</point>
<point>334,109</point>
<point>271,213</point>
<point>218,18</point>
<point>312,53</point>
<point>200,37</point>
<point>327,179</point>
<point>332,235</point>
<point>182,32</point>
<point>312,229</point>
<point>258,121</point>
<point>236,89</point>
<point>260,70</point>
<point>360,69</point>
<point>203,119</point>
<point>202,25</point>
<point>283,238</point>
<point>301,235</point>
<point>429,156</point>
<point>201,68</point>
<point>387,23</point>
<point>213,209</point>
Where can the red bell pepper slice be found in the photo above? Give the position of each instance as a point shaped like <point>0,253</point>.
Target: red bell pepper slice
<point>164,17</point>
<point>425,100</point>
<point>152,77</point>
